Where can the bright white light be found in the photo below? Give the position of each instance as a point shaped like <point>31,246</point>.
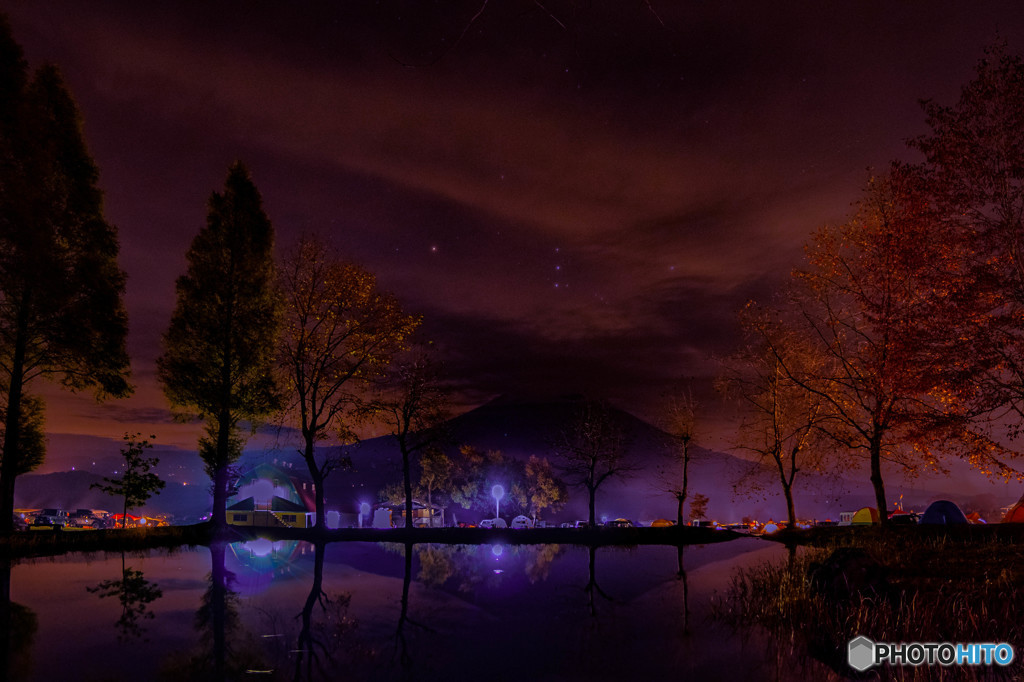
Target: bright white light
<point>497,492</point>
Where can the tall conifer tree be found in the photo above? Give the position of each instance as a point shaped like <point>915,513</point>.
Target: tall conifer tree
<point>62,314</point>
<point>219,351</point>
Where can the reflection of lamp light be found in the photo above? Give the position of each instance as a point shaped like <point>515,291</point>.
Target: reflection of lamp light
<point>261,547</point>
<point>497,492</point>
<point>496,550</point>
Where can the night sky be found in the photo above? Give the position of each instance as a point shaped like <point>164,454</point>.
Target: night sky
<point>577,197</point>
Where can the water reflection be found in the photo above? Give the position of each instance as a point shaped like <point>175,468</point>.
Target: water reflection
<point>18,626</point>
<point>135,594</point>
<point>362,611</point>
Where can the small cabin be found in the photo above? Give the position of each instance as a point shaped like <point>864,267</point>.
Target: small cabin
<point>277,512</point>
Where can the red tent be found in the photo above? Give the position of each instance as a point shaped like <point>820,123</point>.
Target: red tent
<point>1015,515</point>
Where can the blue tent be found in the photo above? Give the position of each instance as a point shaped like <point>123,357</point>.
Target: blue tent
<point>943,512</point>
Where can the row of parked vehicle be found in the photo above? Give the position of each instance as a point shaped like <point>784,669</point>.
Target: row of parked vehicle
<point>59,518</point>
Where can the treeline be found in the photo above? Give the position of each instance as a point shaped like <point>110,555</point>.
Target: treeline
<point>901,338</point>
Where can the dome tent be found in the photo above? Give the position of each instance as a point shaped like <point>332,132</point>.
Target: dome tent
<point>1016,514</point>
<point>865,516</point>
<point>943,512</point>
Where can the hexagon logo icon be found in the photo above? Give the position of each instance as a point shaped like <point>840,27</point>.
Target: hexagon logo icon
<point>860,653</point>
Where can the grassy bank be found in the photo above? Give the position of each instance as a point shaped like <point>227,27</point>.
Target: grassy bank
<point>894,585</point>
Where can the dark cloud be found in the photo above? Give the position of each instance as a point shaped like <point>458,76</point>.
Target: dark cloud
<point>576,196</point>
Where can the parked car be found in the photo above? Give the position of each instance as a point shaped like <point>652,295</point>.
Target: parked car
<point>620,523</point>
<point>493,523</point>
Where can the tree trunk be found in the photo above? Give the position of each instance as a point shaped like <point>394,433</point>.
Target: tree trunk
<point>876,480</point>
<point>407,481</point>
<point>9,464</point>
<point>790,508</point>
<point>220,473</point>
<point>309,454</point>
<point>593,506</point>
<point>680,504</point>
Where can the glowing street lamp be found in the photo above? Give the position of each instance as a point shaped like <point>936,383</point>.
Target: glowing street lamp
<point>364,513</point>
<point>497,492</point>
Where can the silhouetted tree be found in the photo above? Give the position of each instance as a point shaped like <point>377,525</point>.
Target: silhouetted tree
<point>61,310</point>
<point>699,507</point>
<point>340,334</point>
<point>593,450</point>
<point>219,350</point>
<point>138,483</point>
<point>679,422</point>
<point>413,411</point>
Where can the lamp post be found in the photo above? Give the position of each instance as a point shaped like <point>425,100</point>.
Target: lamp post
<point>497,492</point>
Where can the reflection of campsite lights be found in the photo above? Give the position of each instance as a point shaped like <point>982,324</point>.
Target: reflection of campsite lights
<point>497,551</point>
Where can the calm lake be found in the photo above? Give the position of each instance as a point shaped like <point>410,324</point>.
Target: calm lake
<point>368,611</point>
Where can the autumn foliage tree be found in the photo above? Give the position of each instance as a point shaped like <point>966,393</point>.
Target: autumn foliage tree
<point>872,302</point>
<point>783,418</point>
<point>974,174</point>
<point>220,349</point>
<point>544,488</point>
<point>340,335</point>
<point>62,314</point>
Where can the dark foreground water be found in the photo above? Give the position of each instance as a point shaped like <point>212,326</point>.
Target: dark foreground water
<point>363,611</point>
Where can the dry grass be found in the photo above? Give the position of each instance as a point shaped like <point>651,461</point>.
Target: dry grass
<point>937,589</point>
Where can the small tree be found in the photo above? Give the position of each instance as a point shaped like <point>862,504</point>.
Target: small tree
<point>680,425</point>
<point>414,413</point>
<point>783,419</point>
<point>593,450</point>
<point>698,507</point>
<point>138,483</point>
<point>544,489</point>
<point>435,474</point>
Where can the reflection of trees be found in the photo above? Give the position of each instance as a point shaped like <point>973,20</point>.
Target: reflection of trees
<point>592,587</point>
<point>471,565</point>
<point>401,645</point>
<point>320,642</point>
<point>225,650</point>
<point>135,594</point>
<point>681,574</point>
<point>18,625</point>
